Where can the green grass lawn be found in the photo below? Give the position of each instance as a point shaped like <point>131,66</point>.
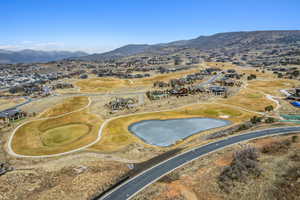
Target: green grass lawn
<point>64,134</point>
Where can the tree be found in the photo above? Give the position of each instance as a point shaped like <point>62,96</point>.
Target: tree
<point>251,77</point>
<point>269,108</point>
<point>177,61</point>
<point>296,73</point>
<point>255,119</point>
<point>270,120</point>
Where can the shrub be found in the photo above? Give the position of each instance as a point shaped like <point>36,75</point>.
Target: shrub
<point>169,178</point>
<point>295,138</point>
<point>251,77</point>
<point>275,147</point>
<point>270,120</point>
<point>255,119</point>
<point>269,108</point>
<point>244,164</point>
<point>242,127</point>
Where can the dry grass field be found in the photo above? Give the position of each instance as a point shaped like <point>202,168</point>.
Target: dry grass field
<point>116,134</point>
<point>6,103</point>
<point>68,105</point>
<point>102,84</point>
<point>111,84</point>
<point>246,70</point>
<point>249,99</point>
<point>272,86</point>
<point>57,135</point>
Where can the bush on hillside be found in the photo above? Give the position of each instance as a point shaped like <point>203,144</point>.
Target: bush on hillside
<point>244,164</point>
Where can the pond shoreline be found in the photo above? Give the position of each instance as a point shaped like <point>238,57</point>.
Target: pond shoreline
<point>183,128</point>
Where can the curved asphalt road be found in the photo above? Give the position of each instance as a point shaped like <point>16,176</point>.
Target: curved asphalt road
<point>131,187</point>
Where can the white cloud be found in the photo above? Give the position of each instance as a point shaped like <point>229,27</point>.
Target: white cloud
<point>34,45</point>
<point>53,46</point>
<point>27,42</point>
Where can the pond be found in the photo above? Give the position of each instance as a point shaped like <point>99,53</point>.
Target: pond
<point>168,132</point>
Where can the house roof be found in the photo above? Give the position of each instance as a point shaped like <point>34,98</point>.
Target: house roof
<point>9,112</point>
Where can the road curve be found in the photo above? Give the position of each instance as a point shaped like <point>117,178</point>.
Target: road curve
<point>134,185</point>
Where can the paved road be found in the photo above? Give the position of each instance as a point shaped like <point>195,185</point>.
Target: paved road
<point>211,79</point>
<point>131,187</point>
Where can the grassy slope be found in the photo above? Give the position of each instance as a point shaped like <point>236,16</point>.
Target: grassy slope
<point>272,86</point>
<point>249,99</point>
<point>57,135</point>
<point>66,106</point>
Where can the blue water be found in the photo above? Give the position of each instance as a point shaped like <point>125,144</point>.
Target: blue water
<point>168,132</point>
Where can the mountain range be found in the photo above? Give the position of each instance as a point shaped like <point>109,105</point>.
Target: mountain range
<point>231,41</point>
<point>34,56</point>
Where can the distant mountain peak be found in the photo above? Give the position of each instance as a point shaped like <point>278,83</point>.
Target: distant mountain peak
<point>32,56</point>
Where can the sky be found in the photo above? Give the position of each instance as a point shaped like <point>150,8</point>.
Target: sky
<point>102,25</point>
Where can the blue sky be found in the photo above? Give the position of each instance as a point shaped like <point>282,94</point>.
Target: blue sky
<point>101,25</point>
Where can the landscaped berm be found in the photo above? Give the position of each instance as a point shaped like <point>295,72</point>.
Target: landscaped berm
<point>59,134</point>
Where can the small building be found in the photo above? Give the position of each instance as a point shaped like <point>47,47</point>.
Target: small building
<point>218,90</point>
<point>160,84</point>
<point>296,104</point>
<point>157,94</point>
<point>11,115</point>
<point>83,76</point>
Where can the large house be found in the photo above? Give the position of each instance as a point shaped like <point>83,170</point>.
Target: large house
<point>11,115</point>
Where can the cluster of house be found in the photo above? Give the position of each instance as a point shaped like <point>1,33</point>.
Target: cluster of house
<point>119,73</point>
<point>31,79</point>
<point>185,91</point>
<point>61,86</point>
<point>41,90</point>
<point>230,78</point>
<point>294,94</point>
<point>159,60</point>
<point>286,72</point>
<point>122,104</point>
<point>163,70</point>
<point>186,86</point>
<point>174,83</point>
<point>30,89</point>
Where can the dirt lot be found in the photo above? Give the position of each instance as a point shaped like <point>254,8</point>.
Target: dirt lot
<point>72,177</point>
